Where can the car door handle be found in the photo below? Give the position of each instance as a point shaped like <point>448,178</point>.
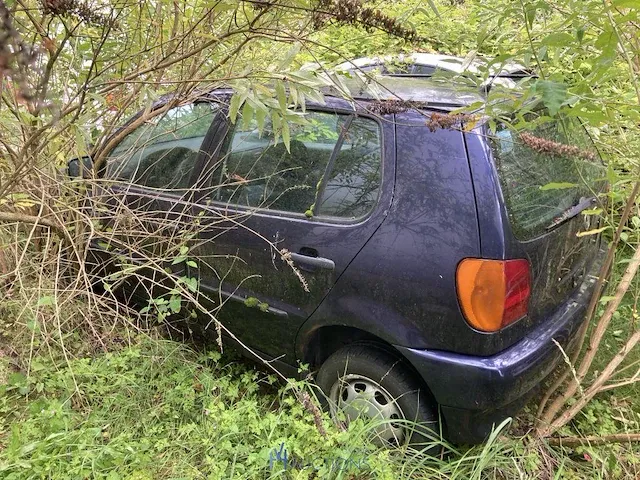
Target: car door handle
<point>319,262</point>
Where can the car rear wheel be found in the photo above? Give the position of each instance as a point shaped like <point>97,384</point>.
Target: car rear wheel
<point>367,381</point>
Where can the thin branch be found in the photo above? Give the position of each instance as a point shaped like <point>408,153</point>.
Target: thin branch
<point>31,219</point>
<point>596,387</point>
<point>623,383</point>
<point>600,440</point>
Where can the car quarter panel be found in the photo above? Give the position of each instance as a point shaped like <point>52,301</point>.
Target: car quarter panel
<point>401,286</point>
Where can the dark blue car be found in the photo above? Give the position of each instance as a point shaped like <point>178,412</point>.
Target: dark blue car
<point>425,268</point>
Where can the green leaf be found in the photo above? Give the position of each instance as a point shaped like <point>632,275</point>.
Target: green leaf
<point>192,264</point>
<point>175,303</point>
<point>591,232</point>
<point>293,93</point>
<point>46,301</point>
<point>247,115</point>
<point>32,325</point>
<point>282,96</point>
<point>558,186</point>
<point>558,39</point>
<point>178,259</point>
<point>432,4</point>
<point>191,283</point>
<point>234,107</point>
<point>553,94</point>
<point>261,114</point>
<point>340,84</point>
<point>276,121</point>
<point>290,55</point>
<point>530,14</point>
<point>612,175</point>
<point>286,136</point>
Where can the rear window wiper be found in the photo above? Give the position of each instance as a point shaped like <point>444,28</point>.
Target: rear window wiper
<point>571,212</point>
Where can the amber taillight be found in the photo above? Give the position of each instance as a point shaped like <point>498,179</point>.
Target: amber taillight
<point>493,293</point>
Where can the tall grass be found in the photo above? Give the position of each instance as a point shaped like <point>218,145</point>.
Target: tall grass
<point>157,409</point>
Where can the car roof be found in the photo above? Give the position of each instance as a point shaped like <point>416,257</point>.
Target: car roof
<point>418,91</point>
<point>433,91</point>
<point>421,93</point>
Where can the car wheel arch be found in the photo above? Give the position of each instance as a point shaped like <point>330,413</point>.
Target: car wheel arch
<point>322,342</point>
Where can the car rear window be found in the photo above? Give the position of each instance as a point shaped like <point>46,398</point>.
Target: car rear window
<point>545,171</point>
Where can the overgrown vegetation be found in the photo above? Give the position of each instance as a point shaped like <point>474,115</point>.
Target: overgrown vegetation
<point>87,393</point>
<point>156,409</point>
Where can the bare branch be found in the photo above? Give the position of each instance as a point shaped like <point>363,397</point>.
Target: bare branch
<point>600,440</point>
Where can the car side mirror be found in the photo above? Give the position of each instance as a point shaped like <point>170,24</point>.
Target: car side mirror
<point>81,166</point>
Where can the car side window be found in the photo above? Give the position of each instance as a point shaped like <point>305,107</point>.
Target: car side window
<point>332,167</point>
<point>353,184</point>
<point>162,154</point>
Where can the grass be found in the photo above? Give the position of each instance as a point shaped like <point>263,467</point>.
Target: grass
<point>625,321</point>
<point>151,408</point>
<point>157,409</point>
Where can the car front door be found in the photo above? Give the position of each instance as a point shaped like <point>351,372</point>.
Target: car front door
<point>148,179</point>
<point>279,225</point>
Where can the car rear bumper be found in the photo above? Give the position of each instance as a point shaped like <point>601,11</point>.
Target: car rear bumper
<point>475,393</point>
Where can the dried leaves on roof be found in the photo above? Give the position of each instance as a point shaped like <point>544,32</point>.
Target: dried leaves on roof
<point>449,120</point>
<point>388,107</point>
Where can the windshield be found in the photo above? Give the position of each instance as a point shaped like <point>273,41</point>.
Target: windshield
<point>545,171</point>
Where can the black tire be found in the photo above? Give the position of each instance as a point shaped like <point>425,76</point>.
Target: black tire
<point>390,379</point>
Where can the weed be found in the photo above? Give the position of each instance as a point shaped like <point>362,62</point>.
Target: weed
<point>158,409</point>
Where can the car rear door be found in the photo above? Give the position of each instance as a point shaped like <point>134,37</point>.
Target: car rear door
<point>280,225</point>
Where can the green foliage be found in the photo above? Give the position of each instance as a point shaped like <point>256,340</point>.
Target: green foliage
<point>158,410</point>
<point>253,302</point>
<point>553,94</point>
<point>154,410</point>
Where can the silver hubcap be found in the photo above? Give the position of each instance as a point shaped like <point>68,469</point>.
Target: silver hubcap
<point>356,396</point>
